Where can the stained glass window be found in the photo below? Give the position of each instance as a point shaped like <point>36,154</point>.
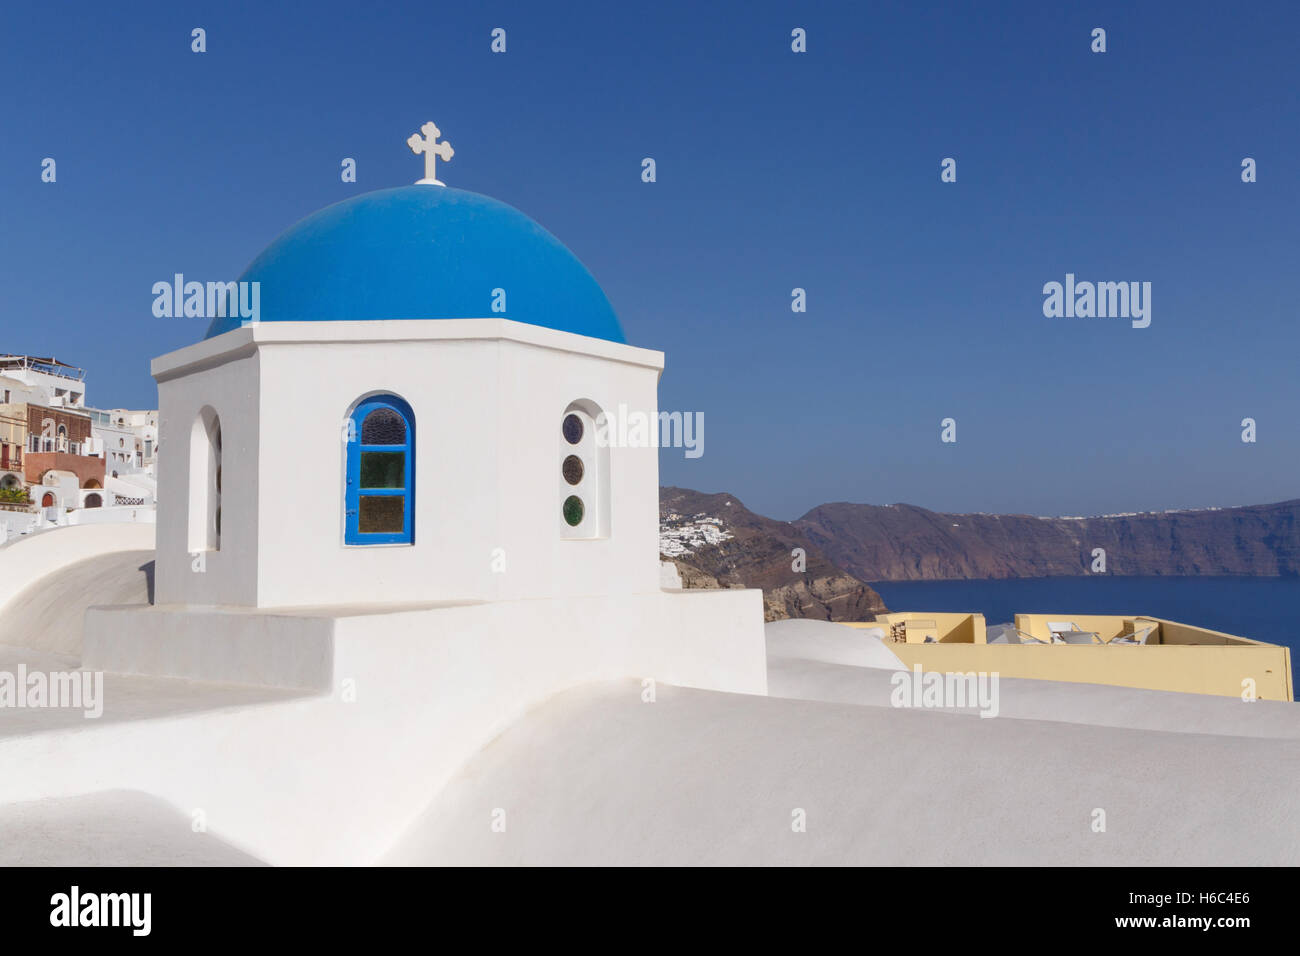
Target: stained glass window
<point>572,429</point>
<point>383,426</point>
<point>572,469</point>
<point>584,480</point>
<point>573,510</point>
<point>379,497</point>
<point>383,469</point>
<point>381,514</point>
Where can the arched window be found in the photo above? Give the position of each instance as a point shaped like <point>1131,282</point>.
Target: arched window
<point>584,472</point>
<point>205,482</point>
<point>379,491</point>
<point>94,501</point>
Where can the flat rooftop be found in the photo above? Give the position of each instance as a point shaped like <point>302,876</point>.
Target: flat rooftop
<point>1126,650</point>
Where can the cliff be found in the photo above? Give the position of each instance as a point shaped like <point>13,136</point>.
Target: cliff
<point>717,542</point>
<point>907,543</point>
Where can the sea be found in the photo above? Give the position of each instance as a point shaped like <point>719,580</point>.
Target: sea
<point>1263,609</point>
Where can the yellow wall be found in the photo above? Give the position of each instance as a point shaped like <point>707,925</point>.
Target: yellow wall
<point>1206,669</point>
<point>1177,657</point>
<point>1110,626</point>
<point>13,429</point>
<point>1171,632</point>
<point>945,628</point>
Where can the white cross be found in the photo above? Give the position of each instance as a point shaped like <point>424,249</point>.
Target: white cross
<point>432,151</point>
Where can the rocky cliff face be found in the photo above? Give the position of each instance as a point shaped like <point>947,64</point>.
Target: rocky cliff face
<point>906,543</point>
<point>717,542</point>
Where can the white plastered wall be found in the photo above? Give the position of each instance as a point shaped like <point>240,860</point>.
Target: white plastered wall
<point>226,381</point>
<point>308,390</point>
<point>537,386</point>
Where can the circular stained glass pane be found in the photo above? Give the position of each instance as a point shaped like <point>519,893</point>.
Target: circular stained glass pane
<point>572,469</point>
<point>573,510</point>
<point>572,429</point>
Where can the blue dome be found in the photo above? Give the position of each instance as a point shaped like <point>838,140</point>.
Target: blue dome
<point>425,252</point>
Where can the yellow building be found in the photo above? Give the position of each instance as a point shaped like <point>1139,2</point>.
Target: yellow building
<point>13,441</point>
<point>1124,650</point>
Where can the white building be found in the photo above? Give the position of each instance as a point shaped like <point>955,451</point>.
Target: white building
<point>412,425</point>
<point>41,381</point>
<point>126,438</point>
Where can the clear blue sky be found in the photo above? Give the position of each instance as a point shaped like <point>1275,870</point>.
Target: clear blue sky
<point>775,170</point>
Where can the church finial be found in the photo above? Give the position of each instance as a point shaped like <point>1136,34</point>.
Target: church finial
<point>433,151</point>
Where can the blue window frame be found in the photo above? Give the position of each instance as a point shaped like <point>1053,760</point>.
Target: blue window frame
<point>379,500</point>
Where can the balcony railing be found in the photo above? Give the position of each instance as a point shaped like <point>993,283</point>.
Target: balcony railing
<point>42,444</point>
<point>45,366</point>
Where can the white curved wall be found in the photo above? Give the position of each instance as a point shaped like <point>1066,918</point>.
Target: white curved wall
<point>25,561</point>
<point>828,643</point>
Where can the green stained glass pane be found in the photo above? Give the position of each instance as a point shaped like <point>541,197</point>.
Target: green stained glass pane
<point>383,469</point>
<point>381,514</point>
<point>573,510</point>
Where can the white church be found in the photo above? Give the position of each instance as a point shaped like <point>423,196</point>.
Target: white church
<point>411,425</point>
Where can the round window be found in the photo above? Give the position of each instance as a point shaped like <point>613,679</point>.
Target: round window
<point>573,510</point>
<point>572,469</point>
<point>572,429</point>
